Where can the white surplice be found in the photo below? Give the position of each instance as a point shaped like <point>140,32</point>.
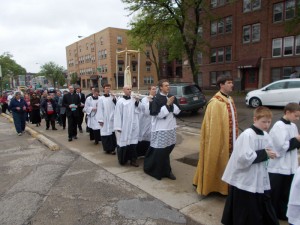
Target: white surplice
<point>126,120</point>
<point>91,103</point>
<point>105,114</point>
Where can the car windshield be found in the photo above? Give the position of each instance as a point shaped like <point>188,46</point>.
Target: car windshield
<point>192,89</point>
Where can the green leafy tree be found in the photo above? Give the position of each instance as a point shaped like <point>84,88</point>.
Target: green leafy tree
<point>292,26</point>
<point>10,69</point>
<point>53,72</point>
<point>173,25</point>
<point>74,78</point>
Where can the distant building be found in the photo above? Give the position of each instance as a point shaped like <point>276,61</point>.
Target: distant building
<point>248,41</point>
<point>93,60</point>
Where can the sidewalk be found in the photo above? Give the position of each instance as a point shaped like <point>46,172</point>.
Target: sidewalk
<point>179,194</point>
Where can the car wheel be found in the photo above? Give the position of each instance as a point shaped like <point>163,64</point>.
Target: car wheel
<point>255,102</point>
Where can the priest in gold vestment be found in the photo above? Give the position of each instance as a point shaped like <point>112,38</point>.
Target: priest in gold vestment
<point>218,133</point>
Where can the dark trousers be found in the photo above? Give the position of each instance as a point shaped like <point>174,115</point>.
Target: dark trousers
<point>80,118</point>
<point>50,119</point>
<point>4,107</point>
<point>19,121</point>
<point>72,125</point>
<point>63,119</point>
<point>280,191</point>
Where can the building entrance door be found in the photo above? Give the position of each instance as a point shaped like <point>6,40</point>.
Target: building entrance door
<point>250,78</point>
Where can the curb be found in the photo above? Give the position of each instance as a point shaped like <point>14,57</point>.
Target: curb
<point>44,140</point>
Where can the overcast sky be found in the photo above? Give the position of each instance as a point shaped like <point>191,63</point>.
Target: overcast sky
<point>37,31</point>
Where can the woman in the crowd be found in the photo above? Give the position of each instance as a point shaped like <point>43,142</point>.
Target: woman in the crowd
<point>35,112</point>
<point>4,102</point>
<point>28,110</point>
<point>18,107</point>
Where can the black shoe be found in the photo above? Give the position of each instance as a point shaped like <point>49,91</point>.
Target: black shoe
<point>36,125</point>
<point>80,131</point>
<point>47,128</point>
<point>75,137</point>
<point>96,142</point>
<point>172,176</point>
<point>70,139</point>
<point>113,152</point>
<point>54,128</point>
<point>64,128</point>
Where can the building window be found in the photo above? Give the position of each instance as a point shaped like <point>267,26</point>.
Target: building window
<point>200,31</point>
<point>279,73</point>
<point>199,57</point>
<point>251,33</point>
<point>213,55</point>
<point>133,67</point>
<point>256,32</point>
<point>220,55</point>
<point>228,24</point>
<point>105,53</point>
<point>119,40</point>
<point>120,68</point>
<point>148,80</point>
<point>228,54</point>
<point>101,40</point>
<point>213,28</point>
<point>297,45</point>
<point>283,10</point>
<point>148,53</point>
<point>288,44</point>
<point>221,26</point>
<point>251,5</point>
<point>277,47</point>
<point>289,9</point>
<point>246,34</point>
<point>148,68</point>
<point>216,3</point>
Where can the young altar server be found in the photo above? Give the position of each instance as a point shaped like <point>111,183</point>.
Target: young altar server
<point>126,127</point>
<point>286,140</point>
<point>248,202</point>
<point>163,133</point>
<point>145,123</point>
<point>105,117</point>
<point>293,211</point>
<point>90,108</point>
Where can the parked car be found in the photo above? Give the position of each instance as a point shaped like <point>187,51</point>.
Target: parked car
<point>189,96</point>
<point>278,93</point>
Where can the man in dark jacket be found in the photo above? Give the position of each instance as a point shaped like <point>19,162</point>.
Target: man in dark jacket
<point>71,101</point>
<point>80,108</point>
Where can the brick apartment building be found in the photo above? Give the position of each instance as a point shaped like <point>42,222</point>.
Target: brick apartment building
<point>248,41</point>
<point>94,60</point>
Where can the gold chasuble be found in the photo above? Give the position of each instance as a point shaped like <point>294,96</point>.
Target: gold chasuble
<point>216,144</point>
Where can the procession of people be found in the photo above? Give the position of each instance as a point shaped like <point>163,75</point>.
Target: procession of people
<point>254,169</point>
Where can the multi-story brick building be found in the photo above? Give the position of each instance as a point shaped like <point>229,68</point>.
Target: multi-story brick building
<point>248,40</point>
<point>94,60</point>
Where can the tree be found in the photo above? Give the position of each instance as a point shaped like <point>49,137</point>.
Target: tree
<point>176,21</point>
<point>292,26</point>
<point>74,78</point>
<point>10,69</point>
<point>53,72</point>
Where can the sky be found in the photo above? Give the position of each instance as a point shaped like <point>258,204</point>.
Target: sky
<point>37,31</point>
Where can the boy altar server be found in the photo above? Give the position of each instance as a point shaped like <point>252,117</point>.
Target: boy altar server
<point>248,202</point>
<point>286,140</point>
<point>105,117</point>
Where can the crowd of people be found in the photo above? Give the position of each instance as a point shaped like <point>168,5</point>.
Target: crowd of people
<point>257,169</point>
